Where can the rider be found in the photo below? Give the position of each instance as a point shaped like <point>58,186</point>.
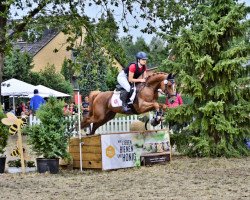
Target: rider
<point>130,75</point>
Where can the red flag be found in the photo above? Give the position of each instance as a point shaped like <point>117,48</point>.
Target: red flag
<point>76,99</point>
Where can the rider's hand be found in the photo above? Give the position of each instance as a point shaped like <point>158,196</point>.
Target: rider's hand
<point>142,80</point>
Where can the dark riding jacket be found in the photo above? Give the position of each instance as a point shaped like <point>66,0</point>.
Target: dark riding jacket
<point>137,70</point>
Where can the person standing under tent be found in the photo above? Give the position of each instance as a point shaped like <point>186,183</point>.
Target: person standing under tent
<point>36,101</point>
<point>20,108</point>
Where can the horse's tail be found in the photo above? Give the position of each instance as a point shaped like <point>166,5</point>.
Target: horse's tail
<point>92,97</point>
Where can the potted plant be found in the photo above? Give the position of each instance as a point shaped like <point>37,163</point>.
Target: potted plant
<point>49,138</point>
<point>4,133</point>
<point>14,166</point>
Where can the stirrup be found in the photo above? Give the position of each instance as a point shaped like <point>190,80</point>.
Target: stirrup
<point>126,109</point>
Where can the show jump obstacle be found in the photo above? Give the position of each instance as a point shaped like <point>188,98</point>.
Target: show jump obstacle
<point>121,150</point>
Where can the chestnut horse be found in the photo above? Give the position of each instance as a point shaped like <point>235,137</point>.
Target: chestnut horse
<point>101,110</point>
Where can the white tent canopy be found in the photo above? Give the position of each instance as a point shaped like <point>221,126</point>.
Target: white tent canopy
<point>14,87</point>
<point>46,92</point>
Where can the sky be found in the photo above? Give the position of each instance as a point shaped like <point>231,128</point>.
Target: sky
<point>95,12</point>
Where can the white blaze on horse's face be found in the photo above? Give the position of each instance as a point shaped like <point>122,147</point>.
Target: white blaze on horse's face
<point>173,88</point>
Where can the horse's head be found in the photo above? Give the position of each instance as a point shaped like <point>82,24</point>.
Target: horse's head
<point>168,85</point>
<point>157,82</point>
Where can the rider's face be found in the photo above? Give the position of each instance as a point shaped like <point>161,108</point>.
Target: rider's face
<point>143,61</point>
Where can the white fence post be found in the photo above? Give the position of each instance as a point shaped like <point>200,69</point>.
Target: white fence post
<point>33,120</point>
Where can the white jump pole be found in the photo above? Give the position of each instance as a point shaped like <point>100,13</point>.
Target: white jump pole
<point>79,128</point>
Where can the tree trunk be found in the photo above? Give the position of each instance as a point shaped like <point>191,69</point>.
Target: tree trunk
<point>3,24</point>
<point>1,73</point>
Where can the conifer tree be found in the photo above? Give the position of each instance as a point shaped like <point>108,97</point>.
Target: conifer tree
<point>211,56</point>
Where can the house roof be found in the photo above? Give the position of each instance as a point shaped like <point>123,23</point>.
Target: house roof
<point>35,47</point>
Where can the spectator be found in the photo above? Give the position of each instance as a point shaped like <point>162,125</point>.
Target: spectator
<point>36,101</point>
<point>27,111</point>
<point>85,106</point>
<point>66,110</point>
<point>21,108</point>
<point>72,108</point>
<point>173,101</point>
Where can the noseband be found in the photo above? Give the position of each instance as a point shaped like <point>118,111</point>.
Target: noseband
<point>166,81</point>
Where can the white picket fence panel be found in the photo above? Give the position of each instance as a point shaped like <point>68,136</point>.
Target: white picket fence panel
<point>33,120</point>
<point>119,124</point>
<point>115,125</point>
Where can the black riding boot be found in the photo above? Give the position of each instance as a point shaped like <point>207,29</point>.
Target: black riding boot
<point>124,98</point>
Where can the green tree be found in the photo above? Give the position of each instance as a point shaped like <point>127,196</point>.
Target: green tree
<point>55,80</point>
<point>17,65</point>
<point>131,48</point>
<point>210,63</point>
<point>158,51</point>
<point>112,78</point>
<point>68,69</point>
<point>95,57</point>
<point>4,133</point>
<point>70,17</point>
<point>106,36</point>
<point>94,68</point>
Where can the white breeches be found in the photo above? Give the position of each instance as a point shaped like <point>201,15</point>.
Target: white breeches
<point>123,81</point>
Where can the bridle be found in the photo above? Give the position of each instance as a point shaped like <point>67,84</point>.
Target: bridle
<point>172,81</point>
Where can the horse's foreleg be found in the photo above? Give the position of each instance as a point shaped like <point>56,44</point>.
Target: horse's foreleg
<point>162,106</point>
<point>148,106</point>
<point>85,122</point>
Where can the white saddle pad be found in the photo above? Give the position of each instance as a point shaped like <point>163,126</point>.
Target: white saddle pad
<point>117,102</point>
<point>115,99</point>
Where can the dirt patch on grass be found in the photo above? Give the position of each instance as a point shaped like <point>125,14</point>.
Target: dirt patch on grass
<point>182,178</point>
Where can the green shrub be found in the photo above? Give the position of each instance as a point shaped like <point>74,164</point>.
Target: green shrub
<point>4,133</point>
<point>50,138</point>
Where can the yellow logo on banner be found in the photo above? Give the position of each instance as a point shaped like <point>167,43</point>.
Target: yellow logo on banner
<point>110,151</point>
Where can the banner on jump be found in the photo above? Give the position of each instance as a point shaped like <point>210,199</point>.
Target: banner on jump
<point>125,150</point>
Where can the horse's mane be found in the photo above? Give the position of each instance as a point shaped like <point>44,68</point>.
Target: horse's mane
<point>155,76</point>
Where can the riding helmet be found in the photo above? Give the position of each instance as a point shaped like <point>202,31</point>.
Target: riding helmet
<point>141,55</point>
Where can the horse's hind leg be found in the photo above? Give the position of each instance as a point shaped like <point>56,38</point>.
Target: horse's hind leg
<point>109,116</point>
<point>85,122</point>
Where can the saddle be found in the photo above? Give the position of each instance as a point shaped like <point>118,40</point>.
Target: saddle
<point>116,97</point>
